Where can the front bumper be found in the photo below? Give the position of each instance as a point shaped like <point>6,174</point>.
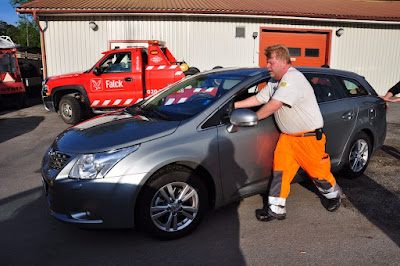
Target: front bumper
<point>98,203</point>
<point>48,103</point>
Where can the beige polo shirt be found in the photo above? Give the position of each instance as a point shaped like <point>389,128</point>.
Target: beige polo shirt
<point>300,111</point>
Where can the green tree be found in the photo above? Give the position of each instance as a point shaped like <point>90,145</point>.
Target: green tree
<point>8,30</point>
<point>26,33</point>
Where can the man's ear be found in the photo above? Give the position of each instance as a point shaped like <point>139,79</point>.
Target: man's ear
<point>285,64</point>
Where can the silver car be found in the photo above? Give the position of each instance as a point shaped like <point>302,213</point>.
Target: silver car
<point>163,162</point>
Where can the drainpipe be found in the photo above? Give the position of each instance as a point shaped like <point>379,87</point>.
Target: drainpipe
<point>43,47</point>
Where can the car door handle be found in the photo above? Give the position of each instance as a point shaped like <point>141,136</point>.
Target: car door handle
<point>348,115</point>
<point>128,79</point>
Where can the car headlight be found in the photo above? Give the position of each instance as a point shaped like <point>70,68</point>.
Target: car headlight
<point>97,165</point>
<point>45,90</point>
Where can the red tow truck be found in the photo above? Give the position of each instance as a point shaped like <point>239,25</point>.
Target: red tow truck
<point>120,78</point>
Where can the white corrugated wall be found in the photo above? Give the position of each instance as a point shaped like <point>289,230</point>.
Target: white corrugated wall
<point>371,50</point>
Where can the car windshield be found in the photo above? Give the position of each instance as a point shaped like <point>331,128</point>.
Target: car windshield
<point>8,63</point>
<point>190,96</point>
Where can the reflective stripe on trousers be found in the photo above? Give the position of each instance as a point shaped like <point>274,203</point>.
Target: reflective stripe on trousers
<point>308,153</point>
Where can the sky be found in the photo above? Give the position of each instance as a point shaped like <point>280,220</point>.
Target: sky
<point>8,13</point>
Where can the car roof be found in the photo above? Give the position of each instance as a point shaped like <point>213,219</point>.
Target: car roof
<point>324,70</point>
<point>264,71</point>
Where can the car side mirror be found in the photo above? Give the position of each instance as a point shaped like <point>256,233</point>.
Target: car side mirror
<point>97,71</point>
<point>242,118</point>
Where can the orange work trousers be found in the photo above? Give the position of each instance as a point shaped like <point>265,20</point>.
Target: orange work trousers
<point>308,153</point>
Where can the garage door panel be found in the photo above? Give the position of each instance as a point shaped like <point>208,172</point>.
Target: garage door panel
<point>306,49</point>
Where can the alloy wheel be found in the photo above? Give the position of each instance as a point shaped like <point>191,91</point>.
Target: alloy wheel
<point>174,206</point>
<point>358,156</point>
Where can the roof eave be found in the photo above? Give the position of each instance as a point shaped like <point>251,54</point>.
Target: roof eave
<point>209,12</point>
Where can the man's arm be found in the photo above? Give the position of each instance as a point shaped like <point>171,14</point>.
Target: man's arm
<point>393,91</point>
<point>249,102</point>
<point>387,96</point>
<point>269,108</point>
<point>396,99</point>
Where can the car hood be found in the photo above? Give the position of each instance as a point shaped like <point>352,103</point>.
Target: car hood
<point>112,131</point>
<point>67,76</point>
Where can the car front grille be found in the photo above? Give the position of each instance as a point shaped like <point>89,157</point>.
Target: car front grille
<point>58,160</point>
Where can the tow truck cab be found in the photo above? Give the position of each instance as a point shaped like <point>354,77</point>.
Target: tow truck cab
<point>120,78</point>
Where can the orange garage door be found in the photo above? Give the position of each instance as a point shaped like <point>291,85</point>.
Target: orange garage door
<point>306,48</point>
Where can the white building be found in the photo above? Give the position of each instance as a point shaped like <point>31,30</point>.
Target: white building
<point>359,36</point>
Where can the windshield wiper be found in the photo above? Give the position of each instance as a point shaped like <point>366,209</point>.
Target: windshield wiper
<point>148,112</point>
<point>161,114</point>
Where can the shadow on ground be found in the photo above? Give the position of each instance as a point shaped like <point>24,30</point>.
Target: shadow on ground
<point>31,236</point>
<point>376,203</point>
<point>14,127</point>
<point>391,151</point>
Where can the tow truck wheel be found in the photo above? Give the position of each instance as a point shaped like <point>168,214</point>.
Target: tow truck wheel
<point>70,110</point>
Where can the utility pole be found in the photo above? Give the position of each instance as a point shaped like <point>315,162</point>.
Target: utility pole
<point>27,34</point>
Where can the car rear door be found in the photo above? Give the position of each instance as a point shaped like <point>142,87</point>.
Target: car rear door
<point>338,110</point>
<point>371,108</point>
<point>366,102</point>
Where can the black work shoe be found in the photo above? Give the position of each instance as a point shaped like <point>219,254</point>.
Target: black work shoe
<point>333,204</point>
<point>265,216</point>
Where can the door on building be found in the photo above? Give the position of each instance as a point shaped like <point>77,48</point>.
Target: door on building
<point>307,48</point>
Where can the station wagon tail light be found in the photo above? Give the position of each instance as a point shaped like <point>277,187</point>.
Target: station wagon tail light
<point>97,165</point>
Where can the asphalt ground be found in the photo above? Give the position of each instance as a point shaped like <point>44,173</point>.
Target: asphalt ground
<point>364,231</point>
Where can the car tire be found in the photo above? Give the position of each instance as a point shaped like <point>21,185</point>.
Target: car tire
<point>70,110</point>
<point>172,204</point>
<point>356,156</point>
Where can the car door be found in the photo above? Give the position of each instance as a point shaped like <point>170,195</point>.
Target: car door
<point>338,110</point>
<point>246,156</point>
<point>115,86</point>
<point>367,103</point>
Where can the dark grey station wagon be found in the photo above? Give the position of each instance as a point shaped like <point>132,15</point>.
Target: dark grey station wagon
<point>163,162</point>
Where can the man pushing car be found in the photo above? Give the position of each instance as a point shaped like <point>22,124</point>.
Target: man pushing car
<point>290,97</point>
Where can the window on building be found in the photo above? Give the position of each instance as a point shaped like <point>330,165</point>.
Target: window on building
<point>310,52</point>
<point>240,32</point>
<point>294,51</point>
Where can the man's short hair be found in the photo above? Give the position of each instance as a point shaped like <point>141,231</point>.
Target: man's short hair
<point>279,51</point>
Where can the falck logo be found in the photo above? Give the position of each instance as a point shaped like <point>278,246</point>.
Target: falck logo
<point>156,59</point>
<point>96,85</point>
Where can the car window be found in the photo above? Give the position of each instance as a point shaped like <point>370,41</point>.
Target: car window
<point>251,91</point>
<point>224,114</point>
<point>325,87</point>
<point>8,63</point>
<point>353,87</point>
<point>192,95</point>
<point>116,63</point>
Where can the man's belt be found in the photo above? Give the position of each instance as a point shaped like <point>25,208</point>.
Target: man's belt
<point>318,133</point>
